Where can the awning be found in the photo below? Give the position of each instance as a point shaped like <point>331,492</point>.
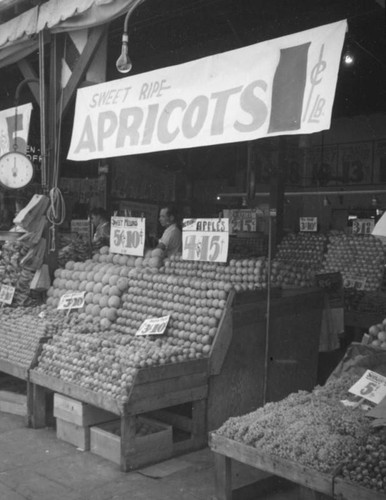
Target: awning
<point>18,36</point>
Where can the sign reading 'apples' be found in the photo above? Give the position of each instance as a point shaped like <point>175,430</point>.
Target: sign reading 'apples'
<point>205,240</point>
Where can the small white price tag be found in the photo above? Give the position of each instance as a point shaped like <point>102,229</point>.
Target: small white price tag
<point>205,240</point>
<point>127,235</point>
<point>354,282</point>
<point>362,226</point>
<point>153,326</point>
<point>370,386</point>
<point>308,224</point>
<point>73,300</point>
<point>6,294</point>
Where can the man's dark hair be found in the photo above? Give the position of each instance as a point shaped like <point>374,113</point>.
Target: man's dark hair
<point>171,211</point>
<point>99,211</point>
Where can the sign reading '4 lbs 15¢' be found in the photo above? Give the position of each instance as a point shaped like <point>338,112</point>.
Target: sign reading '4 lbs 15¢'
<point>205,239</point>
<point>127,235</point>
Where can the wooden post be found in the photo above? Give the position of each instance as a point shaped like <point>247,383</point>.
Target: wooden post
<point>276,196</point>
<point>128,422</point>
<point>222,477</point>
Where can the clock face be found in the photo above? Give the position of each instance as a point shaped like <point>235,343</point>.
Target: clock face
<point>16,170</point>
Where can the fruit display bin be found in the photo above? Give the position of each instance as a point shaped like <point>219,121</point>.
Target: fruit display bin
<point>347,490</point>
<point>189,395</point>
<point>225,450</point>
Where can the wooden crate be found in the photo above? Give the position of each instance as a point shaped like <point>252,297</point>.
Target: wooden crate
<point>11,402</point>
<point>226,449</point>
<point>78,412</point>
<point>347,490</point>
<point>105,440</point>
<point>77,435</point>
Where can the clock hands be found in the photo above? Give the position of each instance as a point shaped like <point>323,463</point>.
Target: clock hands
<point>14,168</point>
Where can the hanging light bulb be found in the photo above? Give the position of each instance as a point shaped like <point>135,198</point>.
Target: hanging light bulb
<point>123,63</point>
<point>348,56</point>
<point>326,202</point>
<point>374,201</point>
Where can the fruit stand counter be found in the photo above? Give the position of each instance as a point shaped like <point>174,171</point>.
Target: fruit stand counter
<point>154,388</point>
<point>225,450</point>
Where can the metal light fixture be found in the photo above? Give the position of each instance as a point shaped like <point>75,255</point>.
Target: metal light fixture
<point>374,201</point>
<point>326,202</point>
<point>124,63</point>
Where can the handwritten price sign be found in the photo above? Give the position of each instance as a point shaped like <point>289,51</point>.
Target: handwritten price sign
<point>127,235</point>
<point>6,294</point>
<point>153,326</point>
<point>370,386</point>
<point>353,282</point>
<point>205,239</point>
<point>362,226</point>
<point>308,224</point>
<point>74,300</point>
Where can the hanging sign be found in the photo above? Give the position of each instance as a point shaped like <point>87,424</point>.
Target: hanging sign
<point>6,294</point>
<point>153,326</point>
<point>283,86</point>
<point>127,235</point>
<point>72,300</point>
<point>14,124</point>
<point>362,226</point>
<point>205,239</point>
<point>243,220</point>
<point>370,386</point>
<point>308,224</point>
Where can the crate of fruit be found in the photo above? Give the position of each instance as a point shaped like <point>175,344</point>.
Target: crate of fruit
<point>348,490</point>
<point>152,443</point>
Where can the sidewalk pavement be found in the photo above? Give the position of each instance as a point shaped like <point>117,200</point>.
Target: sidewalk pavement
<point>35,465</point>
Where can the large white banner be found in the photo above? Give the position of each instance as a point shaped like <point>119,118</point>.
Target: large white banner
<point>281,86</point>
<point>14,125</point>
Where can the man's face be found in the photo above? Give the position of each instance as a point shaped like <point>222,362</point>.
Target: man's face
<point>95,220</point>
<point>164,218</point>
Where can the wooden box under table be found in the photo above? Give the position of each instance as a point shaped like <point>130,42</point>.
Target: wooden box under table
<point>79,413</point>
<point>347,490</point>
<point>77,435</point>
<point>154,446</point>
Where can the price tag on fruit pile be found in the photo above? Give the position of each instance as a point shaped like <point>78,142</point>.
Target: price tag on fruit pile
<point>153,326</point>
<point>308,224</point>
<point>362,226</point>
<point>127,235</point>
<point>370,386</point>
<point>73,300</point>
<point>6,294</point>
<point>353,282</point>
<point>205,239</point>
<point>243,220</point>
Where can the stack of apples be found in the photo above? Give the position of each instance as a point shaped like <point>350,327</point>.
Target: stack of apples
<point>377,335</point>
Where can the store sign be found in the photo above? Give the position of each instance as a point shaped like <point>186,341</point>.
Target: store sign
<point>14,124</point>
<point>281,86</point>
<point>308,224</point>
<point>127,235</point>
<point>358,283</point>
<point>362,226</point>
<point>205,239</point>
<point>153,326</point>
<point>243,220</point>
<point>6,294</point>
<point>73,300</point>
<point>370,386</point>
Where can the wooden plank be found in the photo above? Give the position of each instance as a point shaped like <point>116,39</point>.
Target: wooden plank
<point>78,412</point>
<point>14,369</point>
<point>76,392</point>
<point>317,481</point>
<point>166,400</point>
<point>346,490</point>
<point>11,402</point>
<point>222,477</point>
<point>174,419</point>
<point>153,389</point>
<point>74,434</point>
<point>171,370</point>
<point>222,340</point>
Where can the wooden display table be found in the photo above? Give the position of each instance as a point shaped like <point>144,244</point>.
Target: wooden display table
<point>154,388</point>
<point>225,450</point>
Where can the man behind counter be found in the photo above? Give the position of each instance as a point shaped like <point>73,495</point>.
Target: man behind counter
<point>171,240</point>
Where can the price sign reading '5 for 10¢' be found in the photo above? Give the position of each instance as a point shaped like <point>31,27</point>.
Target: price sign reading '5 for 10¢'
<point>205,239</point>
<point>127,235</point>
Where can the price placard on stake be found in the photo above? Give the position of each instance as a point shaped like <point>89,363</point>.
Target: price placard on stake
<point>6,294</point>
<point>362,226</point>
<point>370,386</point>
<point>73,300</point>
<point>205,239</point>
<point>308,224</point>
<point>153,326</point>
<point>127,235</point>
